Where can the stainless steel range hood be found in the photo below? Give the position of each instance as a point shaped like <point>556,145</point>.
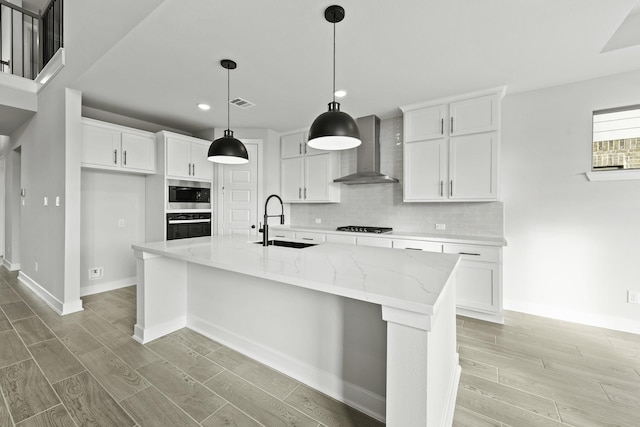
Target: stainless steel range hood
<point>368,168</point>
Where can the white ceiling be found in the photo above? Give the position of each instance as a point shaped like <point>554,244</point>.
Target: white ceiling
<point>388,54</point>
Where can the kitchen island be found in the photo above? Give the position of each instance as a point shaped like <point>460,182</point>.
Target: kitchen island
<point>372,327</point>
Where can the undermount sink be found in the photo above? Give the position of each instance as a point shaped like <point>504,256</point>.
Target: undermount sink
<point>288,244</point>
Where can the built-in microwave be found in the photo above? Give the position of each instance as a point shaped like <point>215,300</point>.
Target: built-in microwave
<point>188,195</point>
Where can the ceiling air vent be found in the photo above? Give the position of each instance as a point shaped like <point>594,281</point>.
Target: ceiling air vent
<point>242,103</point>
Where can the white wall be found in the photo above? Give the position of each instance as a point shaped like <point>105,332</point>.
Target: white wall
<point>572,244</point>
<point>107,198</point>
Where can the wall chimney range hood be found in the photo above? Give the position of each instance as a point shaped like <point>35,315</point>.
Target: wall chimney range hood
<point>368,155</point>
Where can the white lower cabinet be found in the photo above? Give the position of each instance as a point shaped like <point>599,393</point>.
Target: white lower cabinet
<point>478,281</point>
<point>339,238</point>
<point>479,276</point>
<point>373,241</point>
<point>281,234</point>
<point>309,236</point>
<point>419,245</point>
<point>476,286</point>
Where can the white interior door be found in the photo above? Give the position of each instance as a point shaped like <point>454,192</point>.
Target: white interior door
<point>240,195</point>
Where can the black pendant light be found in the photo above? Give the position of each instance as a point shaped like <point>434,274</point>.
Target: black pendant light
<point>334,130</point>
<point>228,149</point>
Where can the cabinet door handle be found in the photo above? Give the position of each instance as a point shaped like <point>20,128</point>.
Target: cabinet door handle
<point>299,192</point>
<point>305,193</point>
<point>451,129</point>
<point>442,126</point>
<point>300,148</point>
<point>468,253</point>
<point>307,238</point>
<point>115,157</point>
<point>451,188</point>
<point>124,154</point>
<point>441,188</point>
<point>193,169</point>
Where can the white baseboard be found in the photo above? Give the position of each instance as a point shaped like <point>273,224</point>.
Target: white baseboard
<point>344,391</point>
<point>60,307</point>
<point>146,335</point>
<point>585,318</point>
<point>107,286</point>
<point>11,266</point>
<point>495,317</point>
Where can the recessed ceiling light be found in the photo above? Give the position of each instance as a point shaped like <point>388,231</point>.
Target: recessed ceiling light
<point>204,107</point>
<point>341,93</point>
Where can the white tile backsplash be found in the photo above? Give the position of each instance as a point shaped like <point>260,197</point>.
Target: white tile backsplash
<point>382,205</point>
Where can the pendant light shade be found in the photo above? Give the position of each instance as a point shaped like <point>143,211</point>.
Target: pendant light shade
<point>334,130</point>
<point>228,150</point>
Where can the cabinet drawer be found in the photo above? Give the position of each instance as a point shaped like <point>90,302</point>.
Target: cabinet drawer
<point>281,234</point>
<point>374,241</point>
<point>473,252</point>
<point>418,245</point>
<point>310,237</point>
<point>336,238</point>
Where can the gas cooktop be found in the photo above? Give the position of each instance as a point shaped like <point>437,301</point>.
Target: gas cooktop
<point>363,229</point>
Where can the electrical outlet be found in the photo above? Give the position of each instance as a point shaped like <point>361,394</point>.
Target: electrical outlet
<point>57,200</point>
<point>441,226</point>
<point>36,266</point>
<point>46,201</point>
<point>318,220</point>
<point>633,297</point>
<point>95,273</point>
<point>121,223</point>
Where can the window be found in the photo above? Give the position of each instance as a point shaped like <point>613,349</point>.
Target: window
<point>616,139</point>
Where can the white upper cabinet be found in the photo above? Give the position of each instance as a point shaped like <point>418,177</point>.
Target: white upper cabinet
<point>474,115</point>
<point>201,167</point>
<point>295,144</point>
<point>425,123</point>
<point>291,179</point>
<point>307,174</point>
<point>451,149</point>
<point>138,152</point>
<point>187,157</point>
<point>425,170</point>
<point>473,160</point>
<point>114,147</point>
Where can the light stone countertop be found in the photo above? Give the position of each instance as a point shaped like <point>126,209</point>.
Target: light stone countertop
<point>407,280</point>
<point>443,238</point>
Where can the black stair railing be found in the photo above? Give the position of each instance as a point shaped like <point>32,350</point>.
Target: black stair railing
<point>27,40</point>
<point>51,30</point>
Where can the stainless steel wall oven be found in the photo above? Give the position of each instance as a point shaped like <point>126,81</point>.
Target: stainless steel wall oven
<point>186,225</point>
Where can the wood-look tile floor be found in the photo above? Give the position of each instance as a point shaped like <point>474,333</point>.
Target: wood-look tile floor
<point>84,369</point>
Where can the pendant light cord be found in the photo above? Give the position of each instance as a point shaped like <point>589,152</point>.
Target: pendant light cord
<point>334,62</point>
<point>228,98</point>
